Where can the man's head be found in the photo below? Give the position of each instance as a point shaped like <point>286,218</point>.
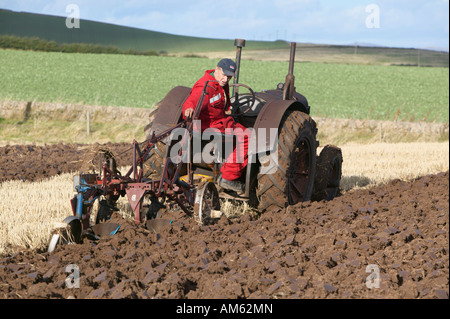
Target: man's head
<point>224,71</point>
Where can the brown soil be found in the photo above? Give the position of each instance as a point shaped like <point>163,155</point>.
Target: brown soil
<point>310,250</point>
<point>35,162</point>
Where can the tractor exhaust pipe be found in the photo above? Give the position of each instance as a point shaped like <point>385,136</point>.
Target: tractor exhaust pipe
<point>239,44</point>
<point>292,58</point>
<point>288,90</point>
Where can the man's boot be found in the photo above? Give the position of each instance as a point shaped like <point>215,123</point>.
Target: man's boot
<point>235,185</point>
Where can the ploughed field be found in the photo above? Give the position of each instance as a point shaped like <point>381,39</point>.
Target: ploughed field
<point>389,241</point>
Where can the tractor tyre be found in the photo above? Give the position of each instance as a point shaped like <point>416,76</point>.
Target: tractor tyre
<point>293,179</point>
<point>328,173</point>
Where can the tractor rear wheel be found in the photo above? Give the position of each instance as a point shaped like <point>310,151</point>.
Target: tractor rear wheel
<point>328,173</point>
<point>293,180</point>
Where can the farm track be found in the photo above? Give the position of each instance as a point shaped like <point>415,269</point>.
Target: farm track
<point>310,250</point>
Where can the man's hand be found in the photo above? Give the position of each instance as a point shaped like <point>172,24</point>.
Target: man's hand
<point>188,113</point>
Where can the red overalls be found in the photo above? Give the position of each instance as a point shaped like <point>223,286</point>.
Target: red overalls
<point>212,114</point>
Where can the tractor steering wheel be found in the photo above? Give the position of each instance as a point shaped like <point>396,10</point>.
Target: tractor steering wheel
<point>236,105</point>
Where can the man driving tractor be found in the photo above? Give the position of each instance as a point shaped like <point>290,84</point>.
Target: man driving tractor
<point>213,115</point>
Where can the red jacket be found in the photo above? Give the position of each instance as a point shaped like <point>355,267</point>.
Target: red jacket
<point>215,103</point>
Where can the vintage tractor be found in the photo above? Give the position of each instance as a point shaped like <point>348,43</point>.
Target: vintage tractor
<point>283,167</point>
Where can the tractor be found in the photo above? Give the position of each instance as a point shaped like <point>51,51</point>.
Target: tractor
<point>284,169</point>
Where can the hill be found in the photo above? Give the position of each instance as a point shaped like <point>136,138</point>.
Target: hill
<point>53,28</point>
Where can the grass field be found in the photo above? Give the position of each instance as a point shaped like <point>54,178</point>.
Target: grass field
<point>333,90</point>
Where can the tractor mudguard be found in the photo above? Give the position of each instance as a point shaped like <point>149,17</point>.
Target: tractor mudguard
<point>169,110</point>
<point>269,118</point>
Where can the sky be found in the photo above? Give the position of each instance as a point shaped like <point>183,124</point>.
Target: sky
<point>394,23</point>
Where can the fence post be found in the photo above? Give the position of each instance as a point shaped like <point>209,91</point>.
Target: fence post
<point>88,125</point>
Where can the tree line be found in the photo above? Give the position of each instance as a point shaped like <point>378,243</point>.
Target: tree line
<point>38,44</point>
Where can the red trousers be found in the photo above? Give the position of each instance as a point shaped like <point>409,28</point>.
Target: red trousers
<point>237,160</point>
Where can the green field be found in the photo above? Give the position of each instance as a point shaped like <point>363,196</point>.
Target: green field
<point>333,90</point>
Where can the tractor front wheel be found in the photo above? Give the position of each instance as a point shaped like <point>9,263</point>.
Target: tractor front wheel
<point>328,173</point>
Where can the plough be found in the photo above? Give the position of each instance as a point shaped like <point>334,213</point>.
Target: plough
<point>198,200</point>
